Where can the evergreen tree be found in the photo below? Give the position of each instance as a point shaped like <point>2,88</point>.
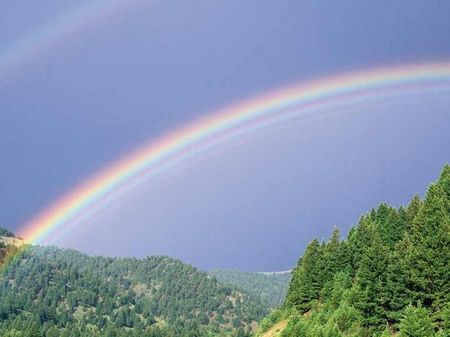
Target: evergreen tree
<point>386,333</point>
<point>422,259</point>
<point>412,210</point>
<point>390,259</point>
<point>332,261</point>
<point>444,182</point>
<point>358,240</point>
<point>306,283</point>
<point>416,322</point>
<point>370,284</point>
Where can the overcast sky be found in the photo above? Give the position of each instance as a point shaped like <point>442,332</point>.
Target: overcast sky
<point>85,100</point>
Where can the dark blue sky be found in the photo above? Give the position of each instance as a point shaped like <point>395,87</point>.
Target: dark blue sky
<point>100,92</point>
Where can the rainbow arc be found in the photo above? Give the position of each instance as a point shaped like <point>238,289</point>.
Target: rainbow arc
<point>352,88</point>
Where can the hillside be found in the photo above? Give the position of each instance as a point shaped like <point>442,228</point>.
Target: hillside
<point>389,277</point>
<point>47,291</point>
<point>4,233</point>
<point>9,239</point>
<point>269,287</point>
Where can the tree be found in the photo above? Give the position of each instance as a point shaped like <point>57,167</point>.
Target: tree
<point>306,284</point>
<point>386,333</point>
<point>412,209</point>
<point>423,258</point>
<point>332,261</point>
<point>372,296</point>
<point>416,322</point>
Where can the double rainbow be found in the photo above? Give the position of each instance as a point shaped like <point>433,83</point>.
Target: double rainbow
<point>353,87</point>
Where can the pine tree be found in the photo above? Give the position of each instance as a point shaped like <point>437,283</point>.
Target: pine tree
<point>358,240</point>
<point>420,267</point>
<point>428,254</point>
<point>444,181</point>
<point>306,284</point>
<point>412,209</point>
<point>398,280</point>
<point>390,222</point>
<point>332,261</point>
<point>331,330</point>
<point>386,333</point>
<point>371,281</point>
<point>347,319</point>
<point>443,318</point>
<point>391,258</point>
<point>416,322</point>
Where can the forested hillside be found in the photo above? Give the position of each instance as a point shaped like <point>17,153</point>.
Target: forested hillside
<point>269,287</point>
<point>53,292</point>
<point>390,277</point>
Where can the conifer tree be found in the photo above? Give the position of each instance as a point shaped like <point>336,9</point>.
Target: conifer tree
<point>424,256</point>
<point>444,182</point>
<point>305,285</point>
<point>416,322</point>
<point>358,241</point>
<point>412,209</point>
<point>371,280</point>
<point>391,259</point>
<point>331,330</point>
<point>386,333</point>
<point>332,261</point>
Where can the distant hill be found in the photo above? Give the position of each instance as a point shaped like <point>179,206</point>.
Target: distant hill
<point>6,233</point>
<point>270,287</point>
<point>8,238</point>
<point>389,277</point>
<point>46,291</point>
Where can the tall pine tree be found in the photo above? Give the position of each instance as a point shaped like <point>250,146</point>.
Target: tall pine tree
<point>306,283</point>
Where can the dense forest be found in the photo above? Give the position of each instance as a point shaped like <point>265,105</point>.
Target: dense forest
<point>49,292</point>
<point>389,277</point>
<point>269,287</point>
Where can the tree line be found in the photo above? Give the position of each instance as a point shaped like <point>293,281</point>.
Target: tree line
<point>49,292</point>
<point>270,288</point>
<point>389,277</point>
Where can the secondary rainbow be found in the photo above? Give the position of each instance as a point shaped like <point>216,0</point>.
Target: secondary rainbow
<point>351,86</point>
<point>73,20</point>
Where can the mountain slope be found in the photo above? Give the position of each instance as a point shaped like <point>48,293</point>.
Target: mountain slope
<point>269,287</point>
<point>54,292</point>
<point>4,233</point>
<point>390,277</point>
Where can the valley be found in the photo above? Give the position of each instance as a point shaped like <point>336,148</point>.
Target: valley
<point>389,277</point>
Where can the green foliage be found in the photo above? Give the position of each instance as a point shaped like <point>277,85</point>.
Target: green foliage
<point>389,277</point>
<point>386,333</point>
<point>268,321</point>
<point>416,322</point>
<point>269,287</point>
<point>47,291</point>
<point>420,267</point>
<point>306,282</point>
<point>364,285</point>
<point>371,294</point>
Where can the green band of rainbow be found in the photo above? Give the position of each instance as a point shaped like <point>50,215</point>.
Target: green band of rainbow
<point>175,143</point>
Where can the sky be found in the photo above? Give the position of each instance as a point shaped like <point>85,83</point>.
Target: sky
<point>119,80</point>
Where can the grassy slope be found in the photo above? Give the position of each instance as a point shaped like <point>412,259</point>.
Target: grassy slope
<point>276,330</point>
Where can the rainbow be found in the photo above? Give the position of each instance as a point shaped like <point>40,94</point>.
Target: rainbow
<point>356,87</point>
<point>72,21</point>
